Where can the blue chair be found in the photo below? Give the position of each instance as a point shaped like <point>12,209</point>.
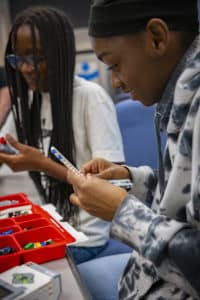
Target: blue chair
<point>136,123</point>
<point>114,247</point>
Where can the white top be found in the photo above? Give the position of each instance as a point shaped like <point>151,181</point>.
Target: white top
<point>96,134</point>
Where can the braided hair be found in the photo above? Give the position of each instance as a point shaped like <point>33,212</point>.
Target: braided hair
<point>57,39</point>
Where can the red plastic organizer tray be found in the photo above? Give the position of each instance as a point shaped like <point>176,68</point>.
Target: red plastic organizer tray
<point>37,226</point>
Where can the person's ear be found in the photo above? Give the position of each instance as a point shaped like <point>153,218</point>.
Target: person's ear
<point>159,35</point>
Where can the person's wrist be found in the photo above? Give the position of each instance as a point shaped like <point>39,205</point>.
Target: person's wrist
<point>41,163</point>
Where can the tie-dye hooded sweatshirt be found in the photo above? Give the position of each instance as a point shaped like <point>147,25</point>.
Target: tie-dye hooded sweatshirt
<point>165,263</point>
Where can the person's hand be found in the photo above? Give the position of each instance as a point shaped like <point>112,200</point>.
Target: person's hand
<point>28,158</point>
<point>97,196</point>
<point>105,169</point>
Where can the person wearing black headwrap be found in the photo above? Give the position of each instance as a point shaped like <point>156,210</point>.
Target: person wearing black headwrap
<point>152,49</point>
<point>117,17</point>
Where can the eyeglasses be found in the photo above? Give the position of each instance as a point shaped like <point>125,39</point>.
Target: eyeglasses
<point>16,61</point>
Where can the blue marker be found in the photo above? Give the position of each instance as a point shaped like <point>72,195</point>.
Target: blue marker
<point>64,160</point>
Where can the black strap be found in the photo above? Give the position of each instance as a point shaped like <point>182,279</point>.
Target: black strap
<point>161,173</point>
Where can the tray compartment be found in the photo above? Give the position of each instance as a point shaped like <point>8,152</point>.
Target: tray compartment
<point>7,222</point>
<point>27,217</point>
<point>46,253</point>
<point>15,229</point>
<point>34,223</point>
<point>10,260</point>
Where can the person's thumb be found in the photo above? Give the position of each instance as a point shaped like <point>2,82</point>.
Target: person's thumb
<point>74,199</point>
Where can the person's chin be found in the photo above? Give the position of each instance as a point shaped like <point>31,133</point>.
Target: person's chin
<point>145,102</point>
<point>133,95</point>
<point>31,85</point>
<point>34,88</point>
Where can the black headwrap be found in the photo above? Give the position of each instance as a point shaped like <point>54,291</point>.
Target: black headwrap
<point>118,17</point>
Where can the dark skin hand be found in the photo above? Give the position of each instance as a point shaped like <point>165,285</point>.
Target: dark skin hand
<point>31,159</point>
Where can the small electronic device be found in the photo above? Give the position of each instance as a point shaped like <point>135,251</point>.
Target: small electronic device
<point>123,183</point>
<point>9,292</point>
<point>64,160</point>
<point>29,282</point>
<point>6,147</point>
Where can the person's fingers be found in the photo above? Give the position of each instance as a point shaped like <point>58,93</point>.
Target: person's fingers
<point>109,173</point>
<point>74,199</point>
<point>115,172</point>
<point>90,167</point>
<point>96,166</point>
<point>14,142</point>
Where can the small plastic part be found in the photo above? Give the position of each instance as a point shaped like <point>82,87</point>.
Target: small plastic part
<point>29,246</point>
<point>10,231</point>
<point>6,250</point>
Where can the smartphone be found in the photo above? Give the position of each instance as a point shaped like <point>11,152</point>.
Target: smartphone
<point>123,183</point>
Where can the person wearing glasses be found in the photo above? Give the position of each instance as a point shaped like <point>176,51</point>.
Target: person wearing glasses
<point>51,106</point>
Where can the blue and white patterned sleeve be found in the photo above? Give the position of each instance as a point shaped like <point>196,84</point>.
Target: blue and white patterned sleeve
<point>144,182</point>
<point>149,234</point>
<point>137,225</point>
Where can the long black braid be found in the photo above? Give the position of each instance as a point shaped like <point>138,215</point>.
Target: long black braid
<point>57,40</point>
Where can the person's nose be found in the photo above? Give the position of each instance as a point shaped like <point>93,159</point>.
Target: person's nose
<point>26,67</point>
<point>116,81</point>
